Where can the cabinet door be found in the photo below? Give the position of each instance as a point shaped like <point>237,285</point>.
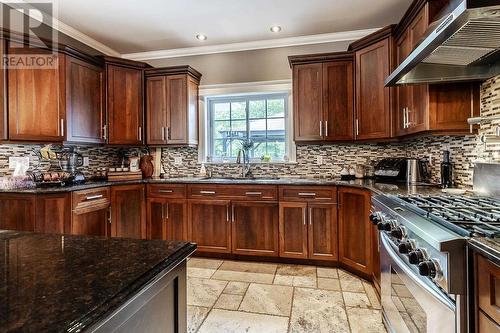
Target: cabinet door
<point>293,229</point>
<point>373,112</point>
<point>3,94</point>
<point>36,102</point>
<point>255,228</point>
<point>128,213</point>
<point>322,231</point>
<point>403,95</point>
<point>53,213</point>
<point>84,102</point>
<point>307,102</point>
<point>488,287</point>
<point>355,229</point>
<point>91,222</point>
<point>124,102</point>
<point>167,219</point>
<point>156,110</point>
<point>177,109</point>
<point>17,212</point>
<point>210,225</point>
<point>338,100</point>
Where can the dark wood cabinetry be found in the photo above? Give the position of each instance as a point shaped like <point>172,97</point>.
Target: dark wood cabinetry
<point>128,211</point>
<point>84,102</point>
<point>36,109</point>
<point>3,94</point>
<point>91,212</point>
<point>53,213</point>
<point>323,93</point>
<point>172,106</point>
<point>355,232</point>
<point>17,212</point>
<point>487,290</point>
<point>308,223</point>
<point>124,100</point>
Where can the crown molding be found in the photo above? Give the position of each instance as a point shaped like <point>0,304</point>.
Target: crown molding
<point>254,45</point>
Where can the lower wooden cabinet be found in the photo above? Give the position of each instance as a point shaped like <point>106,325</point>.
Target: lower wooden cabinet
<point>91,212</point>
<point>53,213</point>
<point>254,228</point>
<point>308,230</point>
<point>167,219</point>
<point>355,229</point>
<point>17,212</point>
<point>210,225</point>
<point>487,288</point>
<point>128,211</point>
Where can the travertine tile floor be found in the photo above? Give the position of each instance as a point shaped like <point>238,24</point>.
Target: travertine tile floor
<point>236,296</point>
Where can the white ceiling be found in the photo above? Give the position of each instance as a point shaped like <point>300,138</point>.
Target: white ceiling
<point>130,26</point>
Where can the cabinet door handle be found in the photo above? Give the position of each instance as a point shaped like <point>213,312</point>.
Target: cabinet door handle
<point>307,194</point>
<point>232,213</point>
<point>207,192</point>
<point>109,218</point>
<point>227,213</point>
<point>253,193</point>
<point>168,133</point>
<point>357,127</point>
<point>165,191</point>
<point>304,218</point>
<point>404,117</point>
<point>162,213</point>
<point>408,122</point>
<point>310,216</point>
<point>94,197</point>
<point>62,127</point>
<point>105,132</point>
<point>326,128</point>
<point>140,133</point>
<point>321,128</point>
<point>168,210</point>
<point>163,134</point>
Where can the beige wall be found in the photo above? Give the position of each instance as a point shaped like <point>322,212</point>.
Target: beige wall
<point>248,66</point>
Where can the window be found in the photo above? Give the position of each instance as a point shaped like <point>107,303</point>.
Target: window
<point>262,119</point>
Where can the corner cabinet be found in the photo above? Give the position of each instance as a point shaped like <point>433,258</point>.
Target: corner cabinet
<point>355,229</point>
<point>323,97</point>
<point>124,101</point>
<point>172,106</point>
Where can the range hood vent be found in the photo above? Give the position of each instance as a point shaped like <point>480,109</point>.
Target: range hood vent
<point>463,46</point>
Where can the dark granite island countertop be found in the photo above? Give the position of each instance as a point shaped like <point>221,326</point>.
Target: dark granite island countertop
<point>55,283</point>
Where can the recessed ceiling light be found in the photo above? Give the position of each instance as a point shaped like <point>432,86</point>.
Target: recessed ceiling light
<point>276,28</point>
<point>201,37</point>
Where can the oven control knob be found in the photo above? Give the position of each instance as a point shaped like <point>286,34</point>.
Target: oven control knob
<point>417,256</point>
<point>430,268</point>
<point>375,218</point>
<point>406,246</point>
<point>399,232</point>
<point>387,225</point>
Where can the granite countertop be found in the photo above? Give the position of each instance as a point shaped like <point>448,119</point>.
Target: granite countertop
<point>67,283</point>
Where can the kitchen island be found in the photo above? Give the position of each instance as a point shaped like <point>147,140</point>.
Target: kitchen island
<point>56,283</point>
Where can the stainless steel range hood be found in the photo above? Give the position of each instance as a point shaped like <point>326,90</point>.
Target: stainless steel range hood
<point>463,46</point>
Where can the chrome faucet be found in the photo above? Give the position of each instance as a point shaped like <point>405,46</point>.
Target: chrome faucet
<point>244,159</point>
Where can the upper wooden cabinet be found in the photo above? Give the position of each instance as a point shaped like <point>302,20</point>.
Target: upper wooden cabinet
<point>172,106</point>
<point>36,108</point>
<point>3,95</point>
<point>124,100</point>
<point>433,108</point>
<point>373,56</point>
<point>323,97</point>
<point>84,102</point>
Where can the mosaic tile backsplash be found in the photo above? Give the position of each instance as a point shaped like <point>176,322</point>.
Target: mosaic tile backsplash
<point>465,150</point>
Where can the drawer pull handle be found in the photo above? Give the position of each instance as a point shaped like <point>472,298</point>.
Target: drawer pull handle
<point>307,194</point>
<point>94,197</point>
<point>253,193</point>
<point>165,191</point>
<point>207,192</point>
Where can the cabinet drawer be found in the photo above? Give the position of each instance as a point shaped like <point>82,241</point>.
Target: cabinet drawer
<point>238,192</point>
<point>174,191</point>
<point>308,193</point>
<point>488,287</point>
<point>90,199</point>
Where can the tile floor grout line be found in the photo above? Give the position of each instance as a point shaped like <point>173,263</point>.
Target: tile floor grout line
<point>346,313</point>
<point>291,310</point>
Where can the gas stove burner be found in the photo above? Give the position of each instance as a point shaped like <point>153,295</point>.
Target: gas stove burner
<point>473,216</point>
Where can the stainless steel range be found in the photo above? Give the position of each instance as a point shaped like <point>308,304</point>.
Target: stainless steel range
<point>423,256</point>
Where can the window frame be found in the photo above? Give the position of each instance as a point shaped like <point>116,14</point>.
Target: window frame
<point>247,98</point>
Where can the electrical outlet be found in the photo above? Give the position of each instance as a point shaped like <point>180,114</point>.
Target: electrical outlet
<point>86,161</point>
<point>178,160</point>
<point>319,160</point>
<point>13,161</point>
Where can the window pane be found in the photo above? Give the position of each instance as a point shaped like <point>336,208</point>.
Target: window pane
<point>239,129</point>
<point>276,126</point>
<point>276,149</point>
<point>221,148</point>
<point>275,108</point>
<point>257,109</point>
<point>221,111</point>
<point>236,146</point>
<point>258,150</point>
<point>222,129</point>
<point>238,110</point>
<point>257,128</point>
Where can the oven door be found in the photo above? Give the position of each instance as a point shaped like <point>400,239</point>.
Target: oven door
<point>409,302</point>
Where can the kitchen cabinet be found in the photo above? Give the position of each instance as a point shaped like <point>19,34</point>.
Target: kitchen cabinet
<point>3,94</point>
<point>172,106</point>
<point>487,290</point>
<point>355,229</point>
<point>308,223</point>
<point>255,228</point>
<point>323,93</point>
<point>124,101</point>
<point>91,212</point>
<point>167,219</point>
<point>210,225</point>
<point>53,213</point>
<point>373,56</point>
<point>439,109</point>
<point>84,102</point>
<point>17,212</point>
<point>128,211</point>
<point>36,109</point>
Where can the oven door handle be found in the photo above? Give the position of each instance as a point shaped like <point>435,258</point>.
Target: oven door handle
<point>412,275</point>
